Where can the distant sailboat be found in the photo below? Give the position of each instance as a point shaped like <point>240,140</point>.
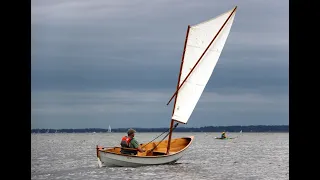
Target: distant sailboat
<point>202,48</point>
<point>109,129</point>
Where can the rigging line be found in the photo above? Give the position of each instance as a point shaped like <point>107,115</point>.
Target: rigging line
<point>164,137</point>
<point>156,138</point>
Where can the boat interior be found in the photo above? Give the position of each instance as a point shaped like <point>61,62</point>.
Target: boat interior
<point>154,148</point>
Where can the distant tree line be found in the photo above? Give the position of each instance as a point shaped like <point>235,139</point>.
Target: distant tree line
<point>256,128</point>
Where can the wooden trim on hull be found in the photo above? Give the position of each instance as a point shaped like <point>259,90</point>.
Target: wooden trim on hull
<point>178,145</point>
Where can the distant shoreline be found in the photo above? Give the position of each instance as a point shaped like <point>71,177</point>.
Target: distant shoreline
<point>252,128</point>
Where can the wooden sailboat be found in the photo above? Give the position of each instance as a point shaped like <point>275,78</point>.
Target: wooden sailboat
<point>203,45</point>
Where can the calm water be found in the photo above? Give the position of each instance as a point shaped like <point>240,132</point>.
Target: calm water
<point>251,156</point>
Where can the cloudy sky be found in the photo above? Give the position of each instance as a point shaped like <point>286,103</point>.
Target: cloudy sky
<point>104,62</point>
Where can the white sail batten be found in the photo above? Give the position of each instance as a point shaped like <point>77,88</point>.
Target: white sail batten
<point>200,36</point>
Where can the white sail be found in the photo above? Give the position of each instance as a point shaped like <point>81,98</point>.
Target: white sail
<point>199,37</point>
<point>109,129</point>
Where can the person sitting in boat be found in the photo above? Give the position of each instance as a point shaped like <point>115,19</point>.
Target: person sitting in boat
<point>130,142</point>
<point>223,135</point>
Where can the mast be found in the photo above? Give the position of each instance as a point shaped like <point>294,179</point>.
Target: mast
<point>171,124</point>
<point>191,64</point>
<point>175,94</point>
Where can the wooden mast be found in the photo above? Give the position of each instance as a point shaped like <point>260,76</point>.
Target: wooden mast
<point>179,86</point>
<point>182,59</point>
<point>175,94</point>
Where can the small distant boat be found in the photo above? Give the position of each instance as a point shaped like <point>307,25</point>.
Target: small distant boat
<point>203,45</point>
<point>223,138</point>
<point>220,138</point>
<point>109,129</point>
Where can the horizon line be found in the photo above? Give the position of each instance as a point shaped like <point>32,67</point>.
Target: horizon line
<point>164,127</point>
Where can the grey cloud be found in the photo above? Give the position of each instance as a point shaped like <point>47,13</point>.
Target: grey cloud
<point>83,46</point>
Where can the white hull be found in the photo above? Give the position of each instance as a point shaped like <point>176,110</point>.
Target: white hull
<point>108,159</point>
<point>114,160</point>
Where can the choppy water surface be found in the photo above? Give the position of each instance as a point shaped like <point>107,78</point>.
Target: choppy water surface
<point>251,156</point>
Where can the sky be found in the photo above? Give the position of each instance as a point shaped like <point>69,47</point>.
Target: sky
<point>104,62</point>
